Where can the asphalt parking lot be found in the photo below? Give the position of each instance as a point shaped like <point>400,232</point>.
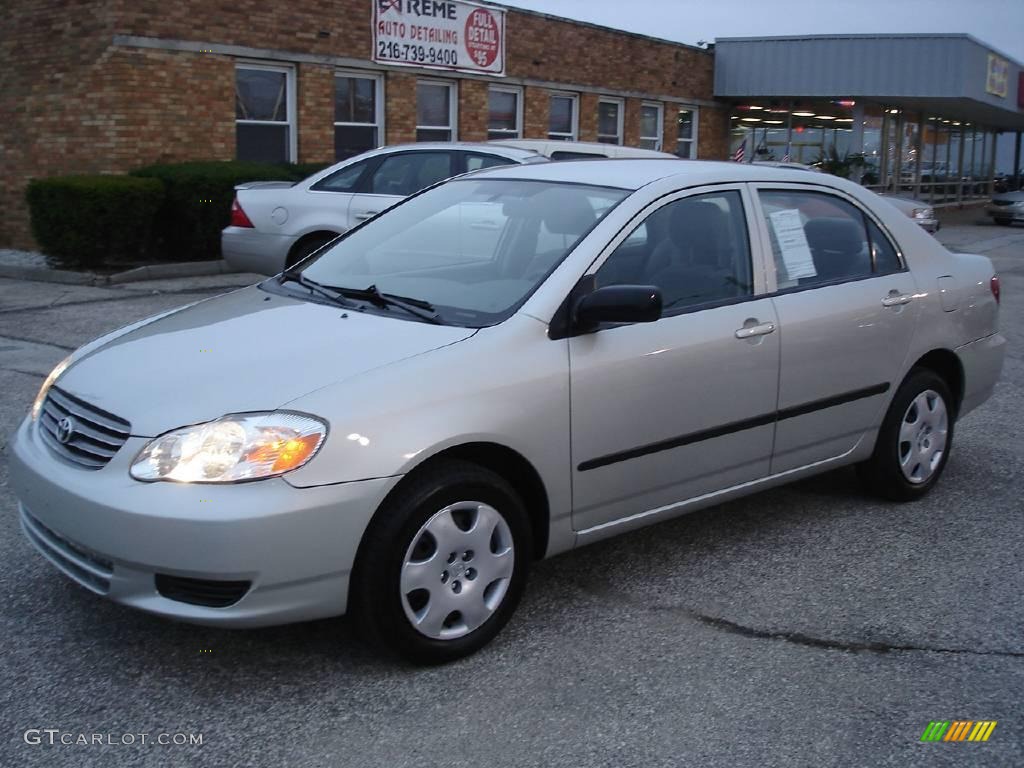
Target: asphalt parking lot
<point>806,626</point>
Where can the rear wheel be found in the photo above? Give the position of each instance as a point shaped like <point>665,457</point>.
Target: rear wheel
<point>443,564</point>
<point>306,246</point>
<point>915,439</point>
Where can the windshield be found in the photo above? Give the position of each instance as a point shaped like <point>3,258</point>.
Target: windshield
<point>472,249</point>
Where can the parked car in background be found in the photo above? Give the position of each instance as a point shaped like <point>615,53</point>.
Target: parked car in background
<point>1006,207</point>
<point>401,425</point>
<point>275,224</point>
<point>580,150</point>
<point>922,213</point>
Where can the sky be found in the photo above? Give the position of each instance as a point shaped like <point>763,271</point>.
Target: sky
<point>998,23</point>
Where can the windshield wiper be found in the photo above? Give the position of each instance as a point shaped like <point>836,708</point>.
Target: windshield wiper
<point>421,309</point>
<point>335,297</point>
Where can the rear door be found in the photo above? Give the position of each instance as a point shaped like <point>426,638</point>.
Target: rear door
<point>326,203</point>
<point>397,176</point>
<point>846,309</point>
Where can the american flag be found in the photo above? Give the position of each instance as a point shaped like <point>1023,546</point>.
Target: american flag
<point>737,156</point>
<point>786,158</point>
<point>385,5</point>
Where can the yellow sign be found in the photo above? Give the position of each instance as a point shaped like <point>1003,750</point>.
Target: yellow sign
<point>998,76</point>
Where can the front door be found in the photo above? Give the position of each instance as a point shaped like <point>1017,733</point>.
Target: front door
<point>667,411</point>
<point>846,310</point>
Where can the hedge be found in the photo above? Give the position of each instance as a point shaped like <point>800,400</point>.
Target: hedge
<point>94,221</point>
<point>197,202</point>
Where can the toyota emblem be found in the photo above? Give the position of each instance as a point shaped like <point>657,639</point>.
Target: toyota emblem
<point>65,430</point>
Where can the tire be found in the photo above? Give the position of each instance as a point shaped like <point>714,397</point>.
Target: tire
<point>914,441</point>
<point>305,247</point>
<point>425,557</point>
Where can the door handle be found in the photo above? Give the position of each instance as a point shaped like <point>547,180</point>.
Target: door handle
<point>365,216</point>
<point>755,330</point>
<point>895,300</point>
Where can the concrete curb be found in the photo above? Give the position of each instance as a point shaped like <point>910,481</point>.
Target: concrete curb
<point>138,274</point>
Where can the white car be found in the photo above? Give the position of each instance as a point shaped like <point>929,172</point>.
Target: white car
<point>276,224</point>
<point>580,150</point>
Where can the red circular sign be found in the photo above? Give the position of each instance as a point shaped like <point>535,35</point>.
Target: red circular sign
<point>483,38</point>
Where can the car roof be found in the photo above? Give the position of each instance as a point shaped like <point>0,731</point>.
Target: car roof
<point>634,173</point>
<point>492,148</point>
<point>544,145</point>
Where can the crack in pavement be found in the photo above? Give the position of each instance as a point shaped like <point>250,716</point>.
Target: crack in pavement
<point>794,638</point>
<point>799,638</point>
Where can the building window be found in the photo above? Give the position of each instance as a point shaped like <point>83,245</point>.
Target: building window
<point>686,145</point>
<point>435,111</point>
<point>562,116</point>
<point>265,113</point>
<point>651,119</point>
<point>609,121</point>
<point>504,112</point>
<point>358,113</point>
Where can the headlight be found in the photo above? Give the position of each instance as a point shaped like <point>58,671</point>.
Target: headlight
<point>924,213</point>
<point>37,404</point>
<point>233,448</point>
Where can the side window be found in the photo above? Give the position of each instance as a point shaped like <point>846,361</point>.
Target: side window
<point>816,238</point>
<point>696,250</point>
<point>475,162</point>
<point>343,180</point>
<point>883,254</point>
<point>409,172</point>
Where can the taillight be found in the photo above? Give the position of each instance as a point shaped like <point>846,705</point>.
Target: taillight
<point>238,217</point>
<point>994,285</point>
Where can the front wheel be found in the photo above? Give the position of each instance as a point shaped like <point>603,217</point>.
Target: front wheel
<point>443,564</point>
<point>914,441</point>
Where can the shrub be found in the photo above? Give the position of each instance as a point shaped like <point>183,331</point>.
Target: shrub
<point>197,203</point>
<point>93,221</point>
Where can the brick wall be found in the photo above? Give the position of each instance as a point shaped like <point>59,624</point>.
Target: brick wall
<point>472,110</point>
<point>74,103</point>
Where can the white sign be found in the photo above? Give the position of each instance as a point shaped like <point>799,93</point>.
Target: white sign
<point>796,253</point>
<point>440,34</point>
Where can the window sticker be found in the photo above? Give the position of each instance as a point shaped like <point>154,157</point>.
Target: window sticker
<point>796,253</point>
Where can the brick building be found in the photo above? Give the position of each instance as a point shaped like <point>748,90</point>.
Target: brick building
<point>98,86</point>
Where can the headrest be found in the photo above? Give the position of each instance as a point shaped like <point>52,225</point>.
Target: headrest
<point>836,235</point>
<point>564,211</point>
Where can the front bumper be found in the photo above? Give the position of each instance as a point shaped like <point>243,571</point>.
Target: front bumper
<point>113,535</point>
<point>249,250</point>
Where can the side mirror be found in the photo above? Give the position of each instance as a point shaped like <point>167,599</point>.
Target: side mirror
<point>618,304</point>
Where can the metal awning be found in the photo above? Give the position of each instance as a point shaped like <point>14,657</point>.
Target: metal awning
<point>952,75</point>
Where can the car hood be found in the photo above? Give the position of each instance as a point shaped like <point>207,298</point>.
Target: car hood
<point>245,351</point>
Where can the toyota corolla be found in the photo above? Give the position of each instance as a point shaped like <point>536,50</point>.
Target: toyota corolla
<point>511,364</point>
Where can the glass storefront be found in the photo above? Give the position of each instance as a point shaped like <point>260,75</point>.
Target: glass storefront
<point>929,156</point>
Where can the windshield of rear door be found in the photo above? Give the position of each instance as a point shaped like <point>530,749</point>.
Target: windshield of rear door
<point>474,249</point>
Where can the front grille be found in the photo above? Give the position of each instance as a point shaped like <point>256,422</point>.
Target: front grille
<point>90,570</point>
<point>212,594</point>
<point>96,434</point>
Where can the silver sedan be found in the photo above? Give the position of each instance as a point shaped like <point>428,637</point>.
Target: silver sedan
<point>397,428</point>
<point>276,224</point>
